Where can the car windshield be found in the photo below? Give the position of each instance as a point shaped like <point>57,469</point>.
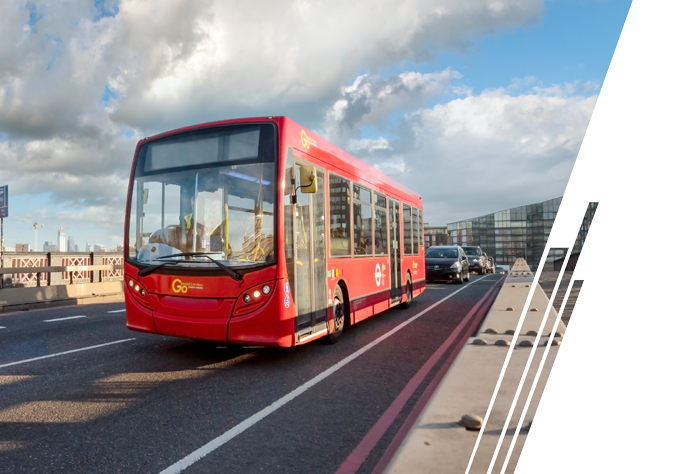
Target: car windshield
<point>211,192</point>
<point>475,251</point>
<point>441,253</point>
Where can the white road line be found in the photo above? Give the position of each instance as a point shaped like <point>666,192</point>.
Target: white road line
<point>117,311</point>
<point>195,456</point>
<point>3,327</point>
<point>66,352</point>
<point>63,319</point>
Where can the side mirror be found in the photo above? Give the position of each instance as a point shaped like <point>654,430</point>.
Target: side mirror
<point>307,181</point>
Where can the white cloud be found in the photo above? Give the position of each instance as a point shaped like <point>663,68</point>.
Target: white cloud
<point>72,81</point>
<point>366,144</point>
<point>485,152</point>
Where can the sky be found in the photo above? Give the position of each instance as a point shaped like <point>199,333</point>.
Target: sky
<point>478,105</point>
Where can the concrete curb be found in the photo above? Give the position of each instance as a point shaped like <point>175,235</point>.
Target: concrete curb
<point>437,442</point>
<point>22,299</point>
<point>93,299</point>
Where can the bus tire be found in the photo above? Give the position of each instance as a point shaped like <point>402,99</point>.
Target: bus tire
<point>338,316</point>
<point>409,293</point>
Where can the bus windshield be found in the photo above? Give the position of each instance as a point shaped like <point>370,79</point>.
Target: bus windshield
<point>207,192</point>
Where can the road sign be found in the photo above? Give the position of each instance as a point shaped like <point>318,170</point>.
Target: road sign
<point>4,197</point>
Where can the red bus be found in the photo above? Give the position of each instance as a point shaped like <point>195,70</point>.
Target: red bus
<point>257,231</point>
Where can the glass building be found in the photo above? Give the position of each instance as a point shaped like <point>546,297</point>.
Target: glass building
<point>512,233</point>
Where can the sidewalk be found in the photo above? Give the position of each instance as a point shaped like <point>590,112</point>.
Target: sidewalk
<point>437,443</point>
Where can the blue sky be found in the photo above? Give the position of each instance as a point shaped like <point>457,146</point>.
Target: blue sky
<point>68,127</point>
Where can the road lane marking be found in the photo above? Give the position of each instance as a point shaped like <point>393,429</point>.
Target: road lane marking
<point>66,352</point>
<point>3,327</point>
<point>117,311</point>
<point>63,319</point>
<point>216,443</point>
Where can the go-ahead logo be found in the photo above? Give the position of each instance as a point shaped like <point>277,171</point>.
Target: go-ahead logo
<point>178,286</point>
<point>306,141</point>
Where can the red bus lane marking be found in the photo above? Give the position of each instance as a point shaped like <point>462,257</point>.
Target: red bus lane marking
<point>429,391</point>
<point>358,456</point>
<point>216,443</point>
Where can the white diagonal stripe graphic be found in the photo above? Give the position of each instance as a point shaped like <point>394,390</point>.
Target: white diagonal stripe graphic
<point>538,375</point>
<point>529,360</point>
<point>507,360</point>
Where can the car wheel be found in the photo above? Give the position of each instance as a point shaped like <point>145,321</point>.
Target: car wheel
<point>467,278</point>
<point>461,278</point>
<point>338,316</point>
<point>409,293</point>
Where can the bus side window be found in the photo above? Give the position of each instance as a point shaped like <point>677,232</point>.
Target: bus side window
<point>416,232</point>
<point>407,237</point>
<point>420,228</point>
<point>362,224</point>
<point>340,216</point>
<point>380,225</point>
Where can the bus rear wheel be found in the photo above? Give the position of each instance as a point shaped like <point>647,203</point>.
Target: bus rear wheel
<point>409,293</point>
<point>338,316</point>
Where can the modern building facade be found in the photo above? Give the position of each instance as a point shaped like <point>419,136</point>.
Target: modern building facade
<point>506,235</point>
<point>436,236</point>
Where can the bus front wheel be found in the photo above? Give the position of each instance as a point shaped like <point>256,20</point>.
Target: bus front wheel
<point>338,316</point>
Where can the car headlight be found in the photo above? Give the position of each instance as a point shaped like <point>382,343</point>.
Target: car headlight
<point>476,260</point>
<point>456,266</point>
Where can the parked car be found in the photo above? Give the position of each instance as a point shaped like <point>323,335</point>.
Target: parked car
<point>502,268</point>
<point>446,263</point>
<point>475,258</point>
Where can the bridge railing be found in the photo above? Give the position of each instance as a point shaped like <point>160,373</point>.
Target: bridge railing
<point>29,280</point>
<point>27,270</point>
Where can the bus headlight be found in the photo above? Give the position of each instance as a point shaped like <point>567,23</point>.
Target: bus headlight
<point>254,298</point>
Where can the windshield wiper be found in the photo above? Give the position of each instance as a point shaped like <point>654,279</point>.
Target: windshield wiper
<point>233,274</point>
<point>148,270</point>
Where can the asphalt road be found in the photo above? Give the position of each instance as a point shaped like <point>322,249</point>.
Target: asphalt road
<point>142,403</point>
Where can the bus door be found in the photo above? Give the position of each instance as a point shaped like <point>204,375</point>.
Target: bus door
<point>311,258</point>
<point>394,251</point>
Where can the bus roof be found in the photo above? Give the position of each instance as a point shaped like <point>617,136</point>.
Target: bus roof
<point>308,142</point>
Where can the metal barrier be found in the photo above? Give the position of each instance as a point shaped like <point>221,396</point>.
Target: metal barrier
<point>30,278</point>
<point>25,270</point>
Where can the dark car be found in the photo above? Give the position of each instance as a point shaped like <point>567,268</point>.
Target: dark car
<point>446,263</point>
<point>475,258</point>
